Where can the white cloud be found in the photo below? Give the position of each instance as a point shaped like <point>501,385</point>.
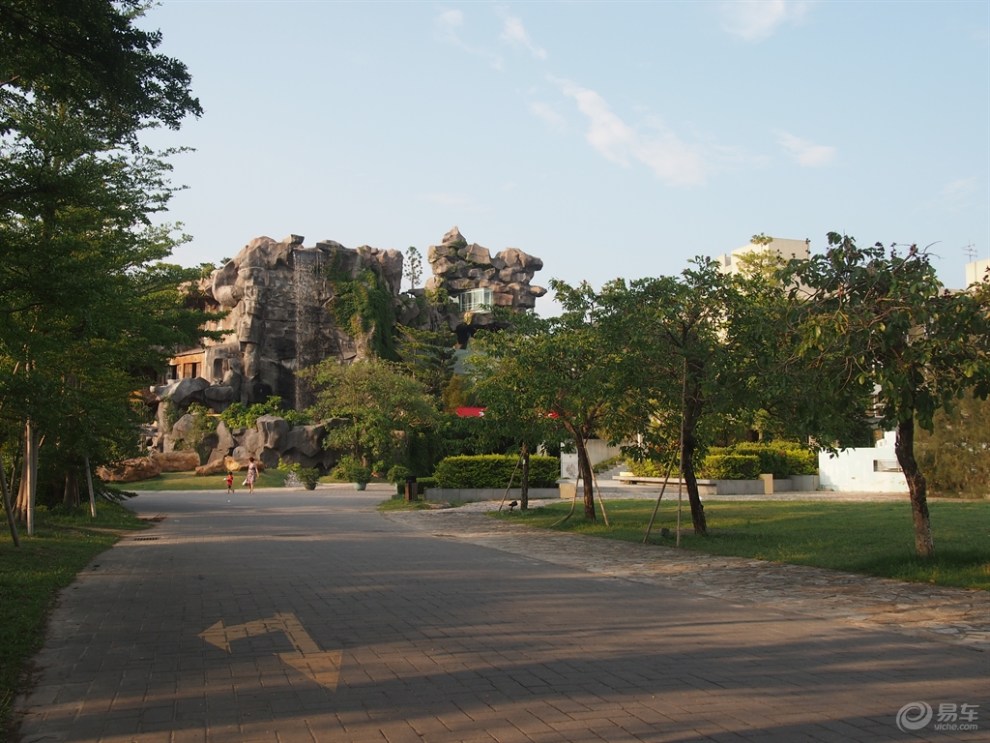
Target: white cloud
<point>956,196</point>
<point>757,20</point>
<point>804,152</point>
<point>672,160</point>
<point>548,115</point>
<point>449,24</point>
<point>515,33</point>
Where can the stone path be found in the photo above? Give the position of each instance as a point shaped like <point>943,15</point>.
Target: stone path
<point>952,615</point>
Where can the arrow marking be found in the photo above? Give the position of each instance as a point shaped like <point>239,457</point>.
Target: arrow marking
<point>321,666</point>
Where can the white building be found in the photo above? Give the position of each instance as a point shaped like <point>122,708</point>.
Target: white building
<point>977,271</point>
<point>785,248</point>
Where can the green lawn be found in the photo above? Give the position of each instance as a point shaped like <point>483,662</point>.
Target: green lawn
<point>869,538</point>
<point>31,575</point>
<point>189,481</point>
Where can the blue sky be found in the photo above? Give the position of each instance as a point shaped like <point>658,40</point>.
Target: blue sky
<point>614,139</point>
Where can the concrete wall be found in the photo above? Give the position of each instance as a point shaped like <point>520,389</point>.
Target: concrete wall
<point>598,451</point>
<point>868,470</point>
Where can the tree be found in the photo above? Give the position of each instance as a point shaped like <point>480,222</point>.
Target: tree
<point>372,408</point>
<point>81,324</point>
<point>674,335</point>
<point>414,266</point>
<point>566,366</point>
<point>88,56</point>
<point>502,385</point>
<point>902,335</point>
<point>955,454</point>
<point>428,355</point>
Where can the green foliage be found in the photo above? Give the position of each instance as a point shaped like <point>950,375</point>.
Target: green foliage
<point>781,459</point>
<point>239,415</point>
<point>377,413</point>
<point>398,474</point>
<point>889,319</point>
<point>91,322</point>
<point>732,467</point>
<point>414,266</point>
<point>89,56</point>
<point>363,304</point>
<point>494,471</point>
<point>438,297</point>
<point>351,469</point>
<point>956,454</point>
<point>308,476</point>
<point>428,355</point>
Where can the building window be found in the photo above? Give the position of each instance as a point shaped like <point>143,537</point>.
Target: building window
<point>475,299</point>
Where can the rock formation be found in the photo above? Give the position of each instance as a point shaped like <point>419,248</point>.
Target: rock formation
<point>289,307</point>
<point>459,267</point>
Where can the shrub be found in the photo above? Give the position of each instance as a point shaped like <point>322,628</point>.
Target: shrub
<point>238,415</point>
<point>779,458</point>
<point>350,469</point>
<point>650,468</point>
<point>494,471</point>
<point>731,467</point>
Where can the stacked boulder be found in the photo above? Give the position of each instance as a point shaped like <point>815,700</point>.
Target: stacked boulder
<point>459,267</point>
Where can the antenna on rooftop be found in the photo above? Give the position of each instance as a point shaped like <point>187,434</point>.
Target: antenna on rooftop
<point>970,251</point>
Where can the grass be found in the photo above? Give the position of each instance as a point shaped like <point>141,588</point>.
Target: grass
<point>31,576</point>
<point>867,538</point>
<point>271,478</point>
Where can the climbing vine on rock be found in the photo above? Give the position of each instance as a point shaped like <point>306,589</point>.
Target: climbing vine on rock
<point>363,304</point>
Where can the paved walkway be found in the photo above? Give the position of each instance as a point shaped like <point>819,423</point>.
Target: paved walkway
<point>945,614</point>
<point>290,616</point>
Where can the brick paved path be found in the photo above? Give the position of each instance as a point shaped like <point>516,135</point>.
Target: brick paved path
<point>294,616</point>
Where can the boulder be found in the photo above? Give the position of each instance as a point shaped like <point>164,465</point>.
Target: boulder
<point>273,429</point>
<point>176,461</point>
<point>185,391</point>
<point>130,470</point>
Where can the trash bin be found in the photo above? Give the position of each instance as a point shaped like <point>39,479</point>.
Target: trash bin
<point>411,489</point>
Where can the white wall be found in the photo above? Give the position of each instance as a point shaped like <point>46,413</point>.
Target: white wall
<point>598,451</point>
<point>856,470</point>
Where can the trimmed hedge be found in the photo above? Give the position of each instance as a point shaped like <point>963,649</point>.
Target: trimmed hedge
<point>732,467</point>
<point>494,471</point>
<point>781,459</point>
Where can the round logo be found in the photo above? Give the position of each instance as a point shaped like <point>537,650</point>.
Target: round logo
<point>914,716</point>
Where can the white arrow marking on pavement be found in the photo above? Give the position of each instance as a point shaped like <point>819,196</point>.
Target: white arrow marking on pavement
<point>321,666</point>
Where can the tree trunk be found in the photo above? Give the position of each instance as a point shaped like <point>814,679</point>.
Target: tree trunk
<point>7,508</point>
<point>89,486</point>
<point>917,487</point>
<point>524,480</point>
<point>584,472</point>
<point>690,413</point>
<point>27,491</point>
<point>70,491</point>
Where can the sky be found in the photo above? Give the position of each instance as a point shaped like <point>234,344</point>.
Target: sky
<point>612,140</point>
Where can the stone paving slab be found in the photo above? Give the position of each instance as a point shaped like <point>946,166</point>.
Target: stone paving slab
<point>291,616</point>
<point>953,615</point>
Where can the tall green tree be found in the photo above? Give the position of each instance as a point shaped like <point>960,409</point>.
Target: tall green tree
<point>674,334</point>
<point>567,366</point>
<point>86,308</point>
<point>372,407</point>
<point>91,57</point>
<point>502,384</point>
<point>900,334</point>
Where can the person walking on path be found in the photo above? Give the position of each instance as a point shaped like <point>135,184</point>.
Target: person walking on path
<point>230,483</point>
<point>252,474</point>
